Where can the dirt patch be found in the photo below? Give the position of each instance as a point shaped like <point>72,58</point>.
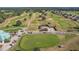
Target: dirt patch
<point>70,45</point>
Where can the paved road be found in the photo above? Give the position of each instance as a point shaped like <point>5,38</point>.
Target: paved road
<point>54,32</point>
<point>6,46</point>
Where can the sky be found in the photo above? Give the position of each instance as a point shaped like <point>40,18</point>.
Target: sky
<point>39,3</point>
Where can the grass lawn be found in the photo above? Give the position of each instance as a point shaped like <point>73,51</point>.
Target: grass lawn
<point>28,42</point>
<point>64,24</point>
<point>18,18</point>
<point>11,29</point>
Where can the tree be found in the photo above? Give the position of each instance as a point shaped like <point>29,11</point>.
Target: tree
<point>25,19</point>
<point>7,40</point>
<point>1,20</point>
<point>36,49</point>
<point>18,23</point>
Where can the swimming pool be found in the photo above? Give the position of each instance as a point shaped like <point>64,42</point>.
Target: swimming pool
<point>4,35</point>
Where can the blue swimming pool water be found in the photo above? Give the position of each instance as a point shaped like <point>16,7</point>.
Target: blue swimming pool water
<point>4,35</point>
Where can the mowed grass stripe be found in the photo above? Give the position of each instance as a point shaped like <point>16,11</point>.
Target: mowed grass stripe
<point>37,40</point>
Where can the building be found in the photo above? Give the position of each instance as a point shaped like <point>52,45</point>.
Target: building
<point>46,28</point>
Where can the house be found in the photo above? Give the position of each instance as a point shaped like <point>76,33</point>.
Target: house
<point>46,28</point>
<point>43,28</point>
<point>75,18</point>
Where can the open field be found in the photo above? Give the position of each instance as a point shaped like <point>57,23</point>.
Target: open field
<point>42,42</point>
<point>69,43</point>
<point>64,23</point>
<point>29,42</point>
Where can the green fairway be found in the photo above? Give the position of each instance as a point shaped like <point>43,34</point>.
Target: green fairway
<point>11,29</point>
<point>18,18</point>
<point>64,23</point>
<point>38,41</point>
